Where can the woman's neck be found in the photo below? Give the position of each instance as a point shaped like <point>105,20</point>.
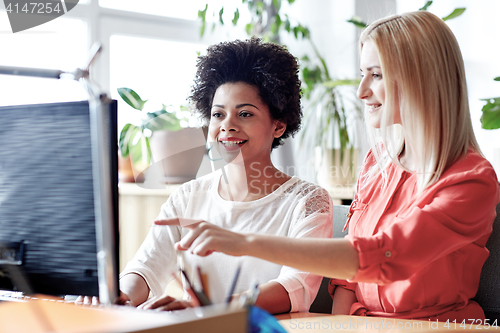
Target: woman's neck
<point>406,158</point>
<point>242,182</point>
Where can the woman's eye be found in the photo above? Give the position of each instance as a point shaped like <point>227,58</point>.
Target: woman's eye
<point>245,114</point>
<point>377,76</point>
<point>216,115</point>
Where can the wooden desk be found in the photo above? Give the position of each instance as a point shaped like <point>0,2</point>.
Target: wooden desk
<point>52,316</point>
<point>316,323</point>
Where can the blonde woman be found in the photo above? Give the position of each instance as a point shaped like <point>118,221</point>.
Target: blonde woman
<point>425,199</point>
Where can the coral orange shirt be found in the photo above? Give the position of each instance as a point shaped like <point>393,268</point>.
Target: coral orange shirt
<point>421,255</point>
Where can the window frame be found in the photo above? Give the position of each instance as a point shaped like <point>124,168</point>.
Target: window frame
<point>106,22</point>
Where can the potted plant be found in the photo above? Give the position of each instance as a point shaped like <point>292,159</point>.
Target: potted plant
<point>330,122</point>
<point>330,129</point>
<point>326,118</point>
<point>160,149</point>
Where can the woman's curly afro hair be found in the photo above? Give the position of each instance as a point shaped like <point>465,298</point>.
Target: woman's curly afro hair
<point>268,66</point>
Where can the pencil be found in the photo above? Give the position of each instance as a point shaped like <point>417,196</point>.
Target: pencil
<point>203,282</point>
<point>189,290</point>
<point>199,297</point>
<point>233,285</point>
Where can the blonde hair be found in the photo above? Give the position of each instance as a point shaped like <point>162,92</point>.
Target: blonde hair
<point>424,73</point>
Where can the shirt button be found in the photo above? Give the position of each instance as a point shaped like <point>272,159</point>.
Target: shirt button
<point>388,254</point>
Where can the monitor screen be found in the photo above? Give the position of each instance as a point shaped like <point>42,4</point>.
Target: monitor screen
<point>50,199</point>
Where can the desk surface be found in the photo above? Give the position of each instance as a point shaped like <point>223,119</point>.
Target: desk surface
<point>47,316</point>
<point>324,323</point>
<point>52,316</point>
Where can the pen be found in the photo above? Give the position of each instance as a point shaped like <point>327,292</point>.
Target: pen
<point>249,297</point>
<point>189,290</point>
<point>233,285</point>
<point>199,297</point>
<point>255,294</point>
<point>203,282</point>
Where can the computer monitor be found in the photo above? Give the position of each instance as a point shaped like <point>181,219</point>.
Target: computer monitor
<point>59,198</point>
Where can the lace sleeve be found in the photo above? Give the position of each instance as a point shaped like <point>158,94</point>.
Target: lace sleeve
<point>315,199</point>
<point>318,201</point>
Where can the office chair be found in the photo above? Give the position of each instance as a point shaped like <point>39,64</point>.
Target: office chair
<point>488,293</point>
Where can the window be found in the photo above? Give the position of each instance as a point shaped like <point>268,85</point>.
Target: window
<point>187,10</point>
<point>58,44</point>
<point>171,8</point>
<point>160,71</point>
<point>153,54</point>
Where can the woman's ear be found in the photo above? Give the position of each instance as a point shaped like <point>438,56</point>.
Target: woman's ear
<point>279,129</point>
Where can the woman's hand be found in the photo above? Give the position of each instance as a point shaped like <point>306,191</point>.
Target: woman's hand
<point>165,303</point>
<point>123,299</point>
<point>87,300</point>
<point>205,238</point>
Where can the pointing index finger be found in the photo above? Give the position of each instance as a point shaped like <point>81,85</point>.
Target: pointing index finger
<point>179,221</point>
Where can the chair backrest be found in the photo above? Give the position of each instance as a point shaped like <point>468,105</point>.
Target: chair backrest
<point>488,293</point>
<point>323,301</point>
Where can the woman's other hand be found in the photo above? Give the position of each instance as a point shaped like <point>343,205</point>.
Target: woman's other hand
<point>87,300</point>
<point>123,299</point>
<point>165,303</point>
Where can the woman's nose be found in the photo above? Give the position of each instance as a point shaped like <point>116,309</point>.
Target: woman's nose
<point>364,90</point>
<point>229,124</point>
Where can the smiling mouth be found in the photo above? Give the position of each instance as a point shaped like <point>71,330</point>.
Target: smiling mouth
<point>232,143</point>
<point>373,107</point>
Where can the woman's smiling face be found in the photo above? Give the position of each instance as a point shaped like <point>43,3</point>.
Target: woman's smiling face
<point>372,86</point>
<point>240,122</point>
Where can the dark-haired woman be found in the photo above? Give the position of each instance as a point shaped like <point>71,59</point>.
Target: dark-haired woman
<point>249,92</point>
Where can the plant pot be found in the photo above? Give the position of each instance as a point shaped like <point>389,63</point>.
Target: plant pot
<point>175,156</point>
<point>125,171</point>
<point>332,172</point>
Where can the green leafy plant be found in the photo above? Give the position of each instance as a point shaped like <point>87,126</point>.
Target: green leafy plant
<point>490,118</point>
<point>320,88</point>
<point>358,21</point>
<point>134,140</point>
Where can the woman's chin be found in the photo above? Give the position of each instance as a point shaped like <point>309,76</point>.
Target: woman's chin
<point>231,156</point>
<point>374,122</point>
